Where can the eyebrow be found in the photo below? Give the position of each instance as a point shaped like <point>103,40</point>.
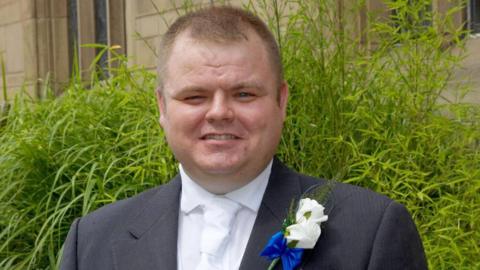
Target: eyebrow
<point>244,85</point>
<point>238,86</point>
<point>192,88</point>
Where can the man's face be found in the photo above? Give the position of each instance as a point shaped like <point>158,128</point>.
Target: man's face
<point>221,110</point>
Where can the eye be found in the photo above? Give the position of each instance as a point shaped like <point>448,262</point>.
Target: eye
<point>194,99</point>
<point>245,95</point>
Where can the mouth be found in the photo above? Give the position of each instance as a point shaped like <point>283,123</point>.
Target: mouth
<point>220,137</point>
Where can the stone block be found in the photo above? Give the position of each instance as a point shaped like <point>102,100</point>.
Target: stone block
<point>117,24</point>
<point>150,7</point>
<point>59,8</point>
<point>87,55</point>
<point>130,15</point>
<point>2,59</point>
<point>3,38</point>
<point>86,26</point>
<point>12,91</point>
<point>28,9</point>
<point>165,20</point>
<point>43,47</point>
<point>443,8</point>
<point>43,9</point>
<point>473,53</point>
<point>238,3</point>
<point>148,26</point>
<point>1,92</point>
<point>3,16</point>
<point>24,88</point>
<point>144,53</point>
<point>15,80</point>
<point>29,88</point>
<point>61,58</point>
<point>30,49</point>
<point>146,7</point>
<point>14,58</point>
<point>10,13</point>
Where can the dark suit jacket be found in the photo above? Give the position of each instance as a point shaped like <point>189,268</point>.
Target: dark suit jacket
<point>365,230</point>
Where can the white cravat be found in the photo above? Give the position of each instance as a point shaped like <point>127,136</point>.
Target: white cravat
<point>219,214</point>
<point>191,220</point>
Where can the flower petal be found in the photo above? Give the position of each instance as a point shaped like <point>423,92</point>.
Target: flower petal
<point>306,233</point>
<point>310,210</point>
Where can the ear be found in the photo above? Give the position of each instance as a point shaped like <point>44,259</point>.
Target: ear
<point>283,98</point>
<point>161,106</point>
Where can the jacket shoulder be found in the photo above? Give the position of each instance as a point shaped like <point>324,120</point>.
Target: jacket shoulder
<point>346,193</point>
<point>113,221</point>
<point>117,213</point>
<point>364,230</point>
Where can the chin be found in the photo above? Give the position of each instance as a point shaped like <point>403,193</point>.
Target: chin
<point>220,167</point>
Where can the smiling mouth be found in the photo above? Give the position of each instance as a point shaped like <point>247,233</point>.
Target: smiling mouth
<point>220,137</point>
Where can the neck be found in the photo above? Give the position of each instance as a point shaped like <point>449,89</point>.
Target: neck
<point>221,184</point>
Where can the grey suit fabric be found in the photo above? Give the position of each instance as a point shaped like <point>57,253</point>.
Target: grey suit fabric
<point>365,230</point>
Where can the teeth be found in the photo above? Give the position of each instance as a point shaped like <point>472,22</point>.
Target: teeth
<point>219,137</point>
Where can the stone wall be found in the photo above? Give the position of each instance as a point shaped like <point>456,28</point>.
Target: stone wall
<point>144,26</point>
<point>467,76</point>
<point>33,43</point>
<point>16,44</point>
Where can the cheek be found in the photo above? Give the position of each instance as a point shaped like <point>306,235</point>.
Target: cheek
<point>255,122</point>
<point>184,117</point>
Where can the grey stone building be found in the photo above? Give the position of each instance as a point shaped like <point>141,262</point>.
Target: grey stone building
<point>39,38</point>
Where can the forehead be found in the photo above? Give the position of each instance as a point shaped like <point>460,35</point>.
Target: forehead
<point>189,48</point>
<point>242,57</point>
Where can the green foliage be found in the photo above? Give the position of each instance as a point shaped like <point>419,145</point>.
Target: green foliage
<point>363,114</point>
<point>373,118</point>
<point>64,157</point>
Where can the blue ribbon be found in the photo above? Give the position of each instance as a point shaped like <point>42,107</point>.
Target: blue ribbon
<point>277,247</point>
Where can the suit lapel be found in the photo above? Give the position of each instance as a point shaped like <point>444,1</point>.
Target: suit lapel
<point>154,232</point>
<point>153,244</point>
<point>283,187</point>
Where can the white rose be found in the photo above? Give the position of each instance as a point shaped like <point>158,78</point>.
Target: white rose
<point>310,210</point>
<point>306,233</point>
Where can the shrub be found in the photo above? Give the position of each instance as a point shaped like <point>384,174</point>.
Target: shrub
<point>367,116</point>
<point>64,157</point>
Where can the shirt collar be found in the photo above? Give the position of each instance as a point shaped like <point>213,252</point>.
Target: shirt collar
<point>250,195</point>
<point>193,195</point>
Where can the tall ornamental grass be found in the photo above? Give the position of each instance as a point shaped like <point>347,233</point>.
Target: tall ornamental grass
<point>63,157</point>
<point>363,114</point>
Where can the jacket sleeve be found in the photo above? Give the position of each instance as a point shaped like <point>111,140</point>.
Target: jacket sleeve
<point>69,255</point>
<point>397,244</point>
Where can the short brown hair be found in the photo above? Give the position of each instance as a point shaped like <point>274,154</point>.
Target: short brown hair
<point>219,24</point>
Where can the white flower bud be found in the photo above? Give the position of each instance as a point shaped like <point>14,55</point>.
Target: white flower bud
<point>306,234</point>
<point>310,210</point>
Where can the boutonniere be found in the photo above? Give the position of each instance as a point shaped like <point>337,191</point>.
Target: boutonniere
<point>300,230</point>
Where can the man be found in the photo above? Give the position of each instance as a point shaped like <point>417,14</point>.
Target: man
<point>222,102</point>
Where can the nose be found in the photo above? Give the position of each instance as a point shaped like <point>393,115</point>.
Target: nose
<point>220,109</point>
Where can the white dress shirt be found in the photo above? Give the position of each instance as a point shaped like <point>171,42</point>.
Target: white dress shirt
<point>193,197</point>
